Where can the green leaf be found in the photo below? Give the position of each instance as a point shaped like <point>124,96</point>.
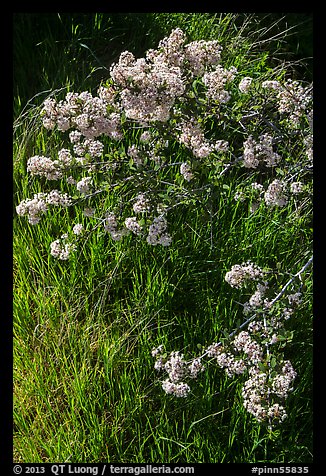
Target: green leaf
<point>273,362</point>
<point>281,337</point>
<point>262,366</point>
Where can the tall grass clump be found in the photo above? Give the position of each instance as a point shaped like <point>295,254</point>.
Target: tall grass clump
<point>163,248</point>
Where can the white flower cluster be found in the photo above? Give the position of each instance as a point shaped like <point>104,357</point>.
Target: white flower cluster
<point>192,136</point>
<point>84,185</point>
<point>271,85</point>
<point>239,275</point>
<point>275,194</point>
<point>239,196</point>
<point>258,187</point>
<point>48,168</point>
<point>194,58</point>
<point>179,389</point>
<point>82,112</point>
<point>157,232</point>
<point>221,146</point>
<point>257,299</point>
<point>256,153</point>
<point>195,368</point>
<point>148,88</point>
<point>296,188</point>
<point>245,84</point>
<point>132,224</point>
<point>258,391</point>
<point>294,100</point>
<point>214,349</point>
<point>232,365</point>
<point>34,208</point>
<point>268,378</point>
<point>255,396</point>
<point>282,383</point>
<point>89,146</point>
<point>44,167</point>
<point>65,158</point>
<point>259,388</point>
<point>276,381</point>
<point>61,249</point>
<point>201,54</point>
<point>75,137</point>
<point>216,80</point>
<point>230,359</point>
<point>244,342</point>
<point>58,198</point>
<point>177,369</point>
<point>38,206</point>
<point>175,366</point>
<point>141,204</point>
<point>186,171</point>
<point>78,229</point>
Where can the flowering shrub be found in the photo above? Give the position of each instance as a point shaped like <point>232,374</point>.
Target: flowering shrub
<point>164,131</point>
<point>256,353</point>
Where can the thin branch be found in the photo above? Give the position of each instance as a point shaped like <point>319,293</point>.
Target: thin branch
<point>277,297</point>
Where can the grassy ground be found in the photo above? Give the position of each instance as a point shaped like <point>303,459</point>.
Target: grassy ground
<point>85,387</point>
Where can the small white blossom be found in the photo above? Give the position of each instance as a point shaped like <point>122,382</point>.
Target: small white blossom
<point>275,194</point>
<point>221,146</point>
<point>75,137</point>
<point>44,167</point>
<point>78,229</point>
<point>296,188</point>
<point>175,366</point>
<point>157,232</point>
<point>245,84</point>
<point>57,198</point>
<point>157,350</point>
<point>132,225</point>
<point>240,274</point>
<point>35,208</point>
<point>179,389</point>
<point>271,85</point>
<point>61,250</point>
<point>195,368</point>
<point>142,204</point>
<point>186,171</point>
<point>84,185</point>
